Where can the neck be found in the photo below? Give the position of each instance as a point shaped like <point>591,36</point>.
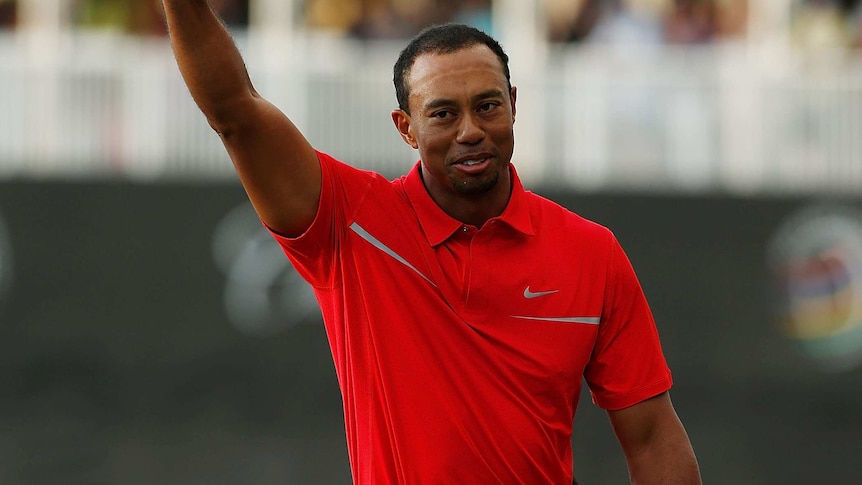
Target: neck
<point>475,209</point>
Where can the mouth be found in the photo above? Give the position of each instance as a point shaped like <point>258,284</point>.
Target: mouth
<point>473,163</point>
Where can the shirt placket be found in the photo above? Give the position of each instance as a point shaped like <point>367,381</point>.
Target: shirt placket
<point>482,269</point>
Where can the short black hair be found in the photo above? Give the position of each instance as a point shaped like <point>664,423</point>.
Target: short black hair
<point>441,39</point>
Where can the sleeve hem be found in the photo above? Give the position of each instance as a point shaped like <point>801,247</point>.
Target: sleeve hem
<point>322,206</point>
<point>617,402</point>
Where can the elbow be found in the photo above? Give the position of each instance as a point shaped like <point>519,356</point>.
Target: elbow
<point>223,128</point>
<point>228,117</point>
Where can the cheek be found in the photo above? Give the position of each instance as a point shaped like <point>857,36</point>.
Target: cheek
<point>504,135</point>
<point>433,140</point>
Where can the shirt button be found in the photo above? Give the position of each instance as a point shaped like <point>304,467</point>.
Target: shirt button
<point>464,229</point>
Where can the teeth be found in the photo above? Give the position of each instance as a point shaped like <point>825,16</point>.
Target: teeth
<point>473,162</point>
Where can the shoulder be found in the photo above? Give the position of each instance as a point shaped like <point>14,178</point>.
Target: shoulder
<point>339,168</point>
<point>551,215</point>
<point>340,176</point>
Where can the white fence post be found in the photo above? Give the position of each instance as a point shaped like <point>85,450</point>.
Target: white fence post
<point>518,27</point>
<point>42,24</point>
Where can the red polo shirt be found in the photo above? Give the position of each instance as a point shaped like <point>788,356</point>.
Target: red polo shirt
<point>459,350</point>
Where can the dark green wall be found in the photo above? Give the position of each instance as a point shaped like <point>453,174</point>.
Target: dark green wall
<point>120,364</point>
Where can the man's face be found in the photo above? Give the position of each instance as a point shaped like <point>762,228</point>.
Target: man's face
<point>461,118</point>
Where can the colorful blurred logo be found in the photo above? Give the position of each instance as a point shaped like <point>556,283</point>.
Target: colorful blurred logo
<point>816,261</point>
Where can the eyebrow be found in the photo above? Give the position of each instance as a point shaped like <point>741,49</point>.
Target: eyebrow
<point>439,103</point>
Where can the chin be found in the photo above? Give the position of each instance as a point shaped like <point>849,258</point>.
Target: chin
<point>476,186</point>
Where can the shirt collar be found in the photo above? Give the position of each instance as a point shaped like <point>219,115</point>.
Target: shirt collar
<point>439,226</point>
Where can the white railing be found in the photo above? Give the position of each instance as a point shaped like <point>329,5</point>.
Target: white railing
<point>718,118</point>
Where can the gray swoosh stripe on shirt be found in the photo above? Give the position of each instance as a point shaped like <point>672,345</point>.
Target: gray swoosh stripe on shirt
<point>587,320</point>
<point>379,245</point>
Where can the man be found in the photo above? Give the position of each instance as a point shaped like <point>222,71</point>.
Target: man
<point>462,311</point>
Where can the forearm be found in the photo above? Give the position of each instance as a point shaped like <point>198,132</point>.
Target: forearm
<point>666,460</point>
<point>655,443</point>
<point>209,61</point>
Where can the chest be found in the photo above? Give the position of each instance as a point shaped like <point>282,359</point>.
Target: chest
<point>542,294</point>
<point>500,272</point>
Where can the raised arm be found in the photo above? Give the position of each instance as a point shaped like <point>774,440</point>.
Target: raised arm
<point>655,444</point>
<point>277,166</point>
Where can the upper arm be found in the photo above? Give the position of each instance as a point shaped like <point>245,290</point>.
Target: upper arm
<point>277,166</point>
<point>655,443</point>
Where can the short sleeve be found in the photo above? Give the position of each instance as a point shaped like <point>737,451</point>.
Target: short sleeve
<point>627,365</point>
<point>314,252</point>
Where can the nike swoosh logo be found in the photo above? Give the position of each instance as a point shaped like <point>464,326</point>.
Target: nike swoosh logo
<point>535,294</point>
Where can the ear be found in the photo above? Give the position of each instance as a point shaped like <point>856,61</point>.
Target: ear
<point>513,95</point>
<point>402,124</point>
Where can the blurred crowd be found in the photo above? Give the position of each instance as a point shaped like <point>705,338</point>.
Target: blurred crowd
<point>137,17</point>
<point>672,21</point>
<point>375,19</point>
<point>145,17</point>
<point>8,13</point>
<point>813,23</point>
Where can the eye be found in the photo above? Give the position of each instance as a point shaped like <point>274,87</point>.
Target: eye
<point>486,107</point>
<point>442,114</point>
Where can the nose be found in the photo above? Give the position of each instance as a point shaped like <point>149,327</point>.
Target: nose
<point>470,132</point>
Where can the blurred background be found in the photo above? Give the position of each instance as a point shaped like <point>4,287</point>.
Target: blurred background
<point>151,332</point>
